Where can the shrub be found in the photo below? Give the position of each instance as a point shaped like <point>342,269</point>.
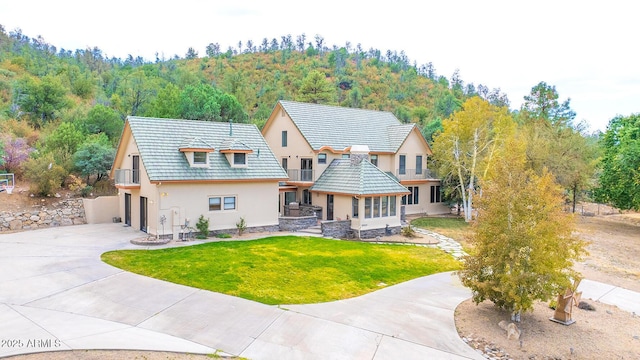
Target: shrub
<point>241,226</point>
<point>203,227</point>
<point>408,231</point>
<point>45,175</point>
<point>223,236</point>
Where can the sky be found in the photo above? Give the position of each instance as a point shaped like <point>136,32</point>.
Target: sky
<point>586,49</point>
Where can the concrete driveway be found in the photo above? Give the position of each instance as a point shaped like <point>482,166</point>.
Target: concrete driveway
<point>56,294</point>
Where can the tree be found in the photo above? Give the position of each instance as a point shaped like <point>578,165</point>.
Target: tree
<point>542,103</point>
<point>469,144</point>
<point>204,102</point>
<point>94,158</point>
<point>191,54</point>
<point>524,244</point>
<point>42,98</point>
<point>315,88</point>
<point>63,143</point>
<point>620,164</point>
<point>166,104</point>
<point>104,120</point>
<point>13,153</point>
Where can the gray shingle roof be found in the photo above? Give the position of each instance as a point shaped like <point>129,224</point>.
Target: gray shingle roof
<point>341,127</point>
<point>360,179</point>
<point>195,143</point>
<point>159,141</point>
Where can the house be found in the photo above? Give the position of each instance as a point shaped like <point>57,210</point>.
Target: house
<point>313,143</point>
<point>168,172</point>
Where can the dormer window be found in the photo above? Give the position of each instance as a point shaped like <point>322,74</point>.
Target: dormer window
<point>199,158</point>
<point>196,152</point>
<point>239,159</point>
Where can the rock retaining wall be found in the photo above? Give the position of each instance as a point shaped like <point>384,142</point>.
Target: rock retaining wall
<point>64,212</point>
<point>287,223</point>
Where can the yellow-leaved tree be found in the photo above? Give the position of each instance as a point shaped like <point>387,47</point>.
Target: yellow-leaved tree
<point>467,148</point>
<point>523,239</point>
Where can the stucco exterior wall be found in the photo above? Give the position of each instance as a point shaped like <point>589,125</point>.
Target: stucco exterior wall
<point>181,201</point>
<point>102,209</point>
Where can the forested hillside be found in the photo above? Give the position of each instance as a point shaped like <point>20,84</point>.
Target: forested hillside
<point>63,110</point>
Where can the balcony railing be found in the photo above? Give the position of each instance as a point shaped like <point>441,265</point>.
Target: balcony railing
<point>415,174</point>
<point>127,177</point>
<point>300,175</point>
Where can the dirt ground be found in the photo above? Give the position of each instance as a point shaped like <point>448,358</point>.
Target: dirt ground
<point>606,333</point>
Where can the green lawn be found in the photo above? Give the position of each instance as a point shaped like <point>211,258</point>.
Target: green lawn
<point>286,269</point>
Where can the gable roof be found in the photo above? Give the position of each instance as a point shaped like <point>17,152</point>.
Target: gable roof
<point>340,127</point>
<point>364,178</point>
<point>159,142</point>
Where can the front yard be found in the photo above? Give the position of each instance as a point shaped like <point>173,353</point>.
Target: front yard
<point>286,269</point>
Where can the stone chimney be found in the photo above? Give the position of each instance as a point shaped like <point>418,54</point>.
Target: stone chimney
<point>358,153</point>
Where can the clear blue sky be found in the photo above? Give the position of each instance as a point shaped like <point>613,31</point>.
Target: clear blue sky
<point>587,49</point>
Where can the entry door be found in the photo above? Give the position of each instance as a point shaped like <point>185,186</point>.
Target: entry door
<point>143,214</point>
<point>127,209</point>
<point>306,169</point>
<point>329,207</point>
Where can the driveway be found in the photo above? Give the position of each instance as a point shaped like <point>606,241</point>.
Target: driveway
<point>56,294</point>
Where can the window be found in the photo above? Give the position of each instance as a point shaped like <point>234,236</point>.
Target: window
<point>403,165</point>
<point>218,203</point>
<point>284,138</point>
<point>229,202</point>
<point>411,199</point>
<point>239,159</point>
<point>285,163</point>
<point>374,159</point>
<point>322,158</point>
<point>214,204</point>
<point>376,206</point>
<point>346,156</point>
<point>289,197</point>
<point>418,164</point>
<point>355,203</point>
<point>392,205</point>
<point>199,158</point>
<point>367,207</point>
<point>385,206</point>
<point>306,197</point>
<point>435,194</point>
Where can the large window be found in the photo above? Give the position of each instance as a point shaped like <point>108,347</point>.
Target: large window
<point>378,206</point>
<point>403,165</point>
<point>285,164</point>
<point>411,199</point>
<point>392,205</point>
<point>367,207</point>
<point>322,158</point>
<point>284,138</point>
<point>435,194</point>
<point>219,203</point>
<point>355,203</point>
<point>199,158</point>
<point>418,164</point>
<point>306,197</point>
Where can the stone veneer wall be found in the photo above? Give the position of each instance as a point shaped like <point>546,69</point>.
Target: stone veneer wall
<point>373,233</point>
<point>339,229</point>
<point>294,223</point>
<point>64,212</point>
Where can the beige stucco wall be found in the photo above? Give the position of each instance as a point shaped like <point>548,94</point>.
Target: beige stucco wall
<point>257,202</point>
<point>297,147</point>
<point>101,210</point>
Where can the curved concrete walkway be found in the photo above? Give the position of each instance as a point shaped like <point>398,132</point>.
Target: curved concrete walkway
<point>56,294</point>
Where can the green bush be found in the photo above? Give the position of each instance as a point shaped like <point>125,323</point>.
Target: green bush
<point>203,227</point>
<point>45,175</point>
<point>241,226</point>
<point>408,231</point>
<point>223,236</point>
